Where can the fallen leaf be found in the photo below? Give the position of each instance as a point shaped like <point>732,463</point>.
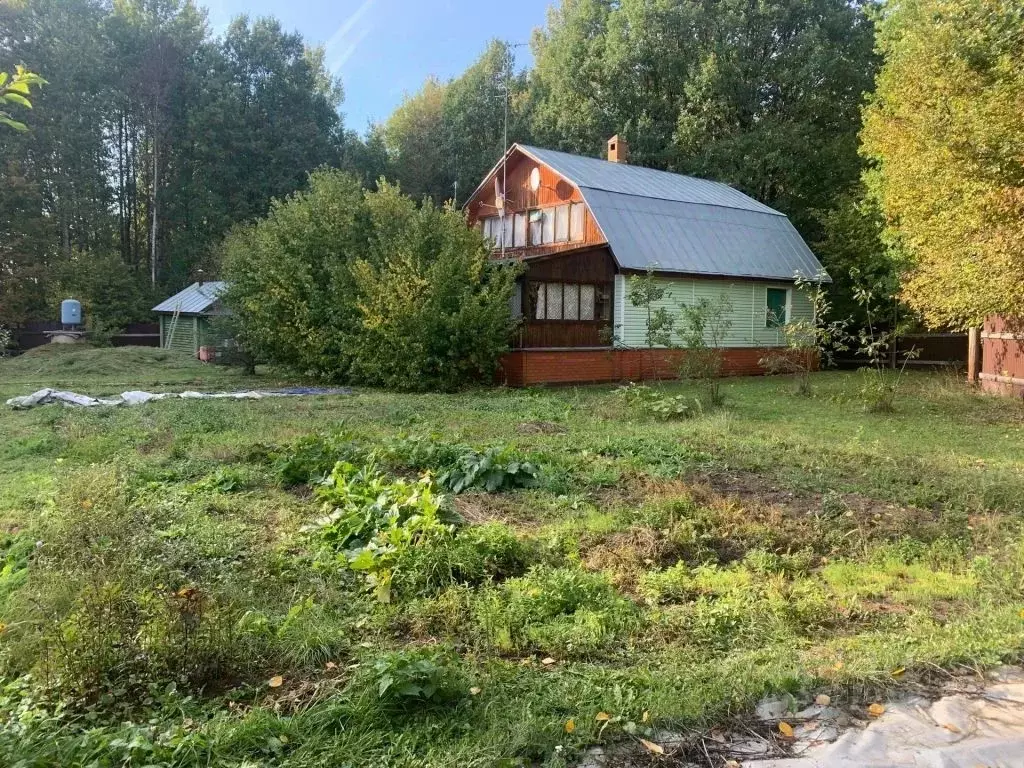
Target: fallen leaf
<point>283,739</point>
<point>645,716</point>
<point>331,665</point>
<point>951,728</point>
<point>654,749</point>
<point>786,729</point>
<point>570,726</point>
<point>876,710</point>
<point>732,764</point>
<point>898,671</point>
<point>474,691</point>
<point>838,665</point>
<point>602,717</point>
<point>822,699</point>
<point>548,661</point>
<point>275,681</point>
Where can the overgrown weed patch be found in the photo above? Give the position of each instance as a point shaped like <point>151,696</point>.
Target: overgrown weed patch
<point>165,599</point>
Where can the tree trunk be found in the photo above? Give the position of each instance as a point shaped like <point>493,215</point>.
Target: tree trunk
<point>153,224</point>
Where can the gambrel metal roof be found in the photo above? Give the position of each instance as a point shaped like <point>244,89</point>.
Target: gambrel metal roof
<point>682,224</point>
<point>197,299</point>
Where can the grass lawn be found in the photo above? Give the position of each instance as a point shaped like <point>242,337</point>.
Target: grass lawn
<point>177,587</point>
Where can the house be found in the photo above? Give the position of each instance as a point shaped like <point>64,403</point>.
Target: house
<point>586,228</point>
<point>186,317</point>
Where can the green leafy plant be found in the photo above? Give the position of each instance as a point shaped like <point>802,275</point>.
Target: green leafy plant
<point>15,89</point>
<point>372,520</point>
<point>495,469</point>
<point>415,677</point>
<point>811,343</point>
<point>310,458</point>
<point>705,329</point>
<point>650,401</point>
<point>879,386</point>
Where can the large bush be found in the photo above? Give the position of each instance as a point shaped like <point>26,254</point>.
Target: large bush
<point>368,287</point>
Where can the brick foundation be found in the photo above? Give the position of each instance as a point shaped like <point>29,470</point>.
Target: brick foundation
<point>526,367</point>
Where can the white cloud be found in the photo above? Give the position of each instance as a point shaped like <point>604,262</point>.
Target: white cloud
<point>346,39</point>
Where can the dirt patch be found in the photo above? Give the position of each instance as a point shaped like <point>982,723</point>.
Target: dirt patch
<point>753,490</point>
<point>480,508</point>
<point>626,555</point>
<point>541,428</point>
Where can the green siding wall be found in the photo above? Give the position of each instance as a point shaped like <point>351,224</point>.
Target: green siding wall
<point>748,300</point>
<point>184,334</point>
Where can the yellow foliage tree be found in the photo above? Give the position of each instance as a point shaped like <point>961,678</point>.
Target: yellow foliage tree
<point>945,130</point>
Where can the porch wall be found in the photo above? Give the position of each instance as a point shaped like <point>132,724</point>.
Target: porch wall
<point>526,367</point>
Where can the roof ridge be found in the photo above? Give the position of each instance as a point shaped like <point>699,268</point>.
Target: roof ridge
<point>752,204</point>
<point>769,212</point>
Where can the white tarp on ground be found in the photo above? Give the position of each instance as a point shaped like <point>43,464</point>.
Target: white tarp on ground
<point>961,730</point>
<point>136,397</point>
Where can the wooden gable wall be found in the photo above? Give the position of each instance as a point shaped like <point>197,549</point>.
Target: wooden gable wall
<point>554,190</point>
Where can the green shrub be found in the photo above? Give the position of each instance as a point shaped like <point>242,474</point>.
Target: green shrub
<point>421,453</point>
<point>369,287</point>
<point>115,599</point>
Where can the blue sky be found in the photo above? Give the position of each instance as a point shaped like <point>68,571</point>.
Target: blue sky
<point>384,48</point>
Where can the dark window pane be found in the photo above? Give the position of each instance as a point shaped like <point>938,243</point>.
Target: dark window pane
<point>775,309</point>
<point>604,303</point>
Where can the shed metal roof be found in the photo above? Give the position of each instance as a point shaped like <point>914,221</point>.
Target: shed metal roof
<point>197,299</point>
<point>683,224</point>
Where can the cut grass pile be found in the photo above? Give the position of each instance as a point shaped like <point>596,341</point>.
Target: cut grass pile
<point>179,587</point>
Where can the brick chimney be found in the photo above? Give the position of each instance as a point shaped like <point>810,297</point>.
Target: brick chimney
<point>618,150</point>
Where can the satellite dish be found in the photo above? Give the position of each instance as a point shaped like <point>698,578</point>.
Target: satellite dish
<point>535,179</point>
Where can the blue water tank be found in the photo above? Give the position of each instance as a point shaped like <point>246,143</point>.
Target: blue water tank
<point>71,312</point>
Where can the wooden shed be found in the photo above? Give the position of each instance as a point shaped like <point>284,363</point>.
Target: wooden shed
<point>186,317</point>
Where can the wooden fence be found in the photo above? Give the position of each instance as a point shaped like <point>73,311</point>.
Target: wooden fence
<point>931,350</point>
<point>137,334</point>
